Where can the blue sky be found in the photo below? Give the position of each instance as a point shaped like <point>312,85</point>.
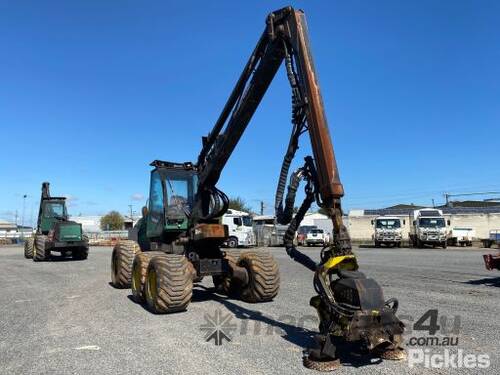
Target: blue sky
<point>92,91</point>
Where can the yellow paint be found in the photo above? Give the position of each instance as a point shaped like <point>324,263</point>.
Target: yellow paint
<point>345,262</point>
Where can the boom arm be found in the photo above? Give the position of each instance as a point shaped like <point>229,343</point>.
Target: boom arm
<point>284,39</point>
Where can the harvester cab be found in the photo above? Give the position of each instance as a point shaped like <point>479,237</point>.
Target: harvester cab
<point>171,196</point>
<point>52,211</point>
<point>55,232</point>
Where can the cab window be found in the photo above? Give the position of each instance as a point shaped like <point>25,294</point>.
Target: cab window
<point>156,195</point>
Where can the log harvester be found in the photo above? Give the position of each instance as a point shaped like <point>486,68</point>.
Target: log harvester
<point>181,235</point>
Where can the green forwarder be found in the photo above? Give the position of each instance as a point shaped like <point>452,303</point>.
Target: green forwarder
<point>55,232</point>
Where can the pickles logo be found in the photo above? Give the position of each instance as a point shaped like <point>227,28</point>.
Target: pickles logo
<point>218,327</point>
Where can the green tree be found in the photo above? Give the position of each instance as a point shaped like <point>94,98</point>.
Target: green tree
<point>239,204</point>
<point>113,220</point>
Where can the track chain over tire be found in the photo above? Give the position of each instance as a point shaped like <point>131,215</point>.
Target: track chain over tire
<point>122,258</point>
<point>264,276</point>
<point>169,283</point>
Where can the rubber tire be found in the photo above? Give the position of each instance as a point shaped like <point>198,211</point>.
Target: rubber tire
<point>139,270</point>
<point>232,242</point>
<point>224,284</point>
<point>28,248</point>
<point>264,276</point>
<point>174,284</point>
<point>39,252</point>
<point>80,254</point>
<point>377,244</point>
<point>445,245</point>
<point>122,258</point>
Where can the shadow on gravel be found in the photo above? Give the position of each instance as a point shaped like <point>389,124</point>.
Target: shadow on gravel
<point>488,281</point>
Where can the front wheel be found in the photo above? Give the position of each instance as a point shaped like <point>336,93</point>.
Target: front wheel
<point>169,284</point>
<point>139,271</point>
<point>28,248</point>
<point>444,245</point>
<point>40,251</point>
<point>232,242</point>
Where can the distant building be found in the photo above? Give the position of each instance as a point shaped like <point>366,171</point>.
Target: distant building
<point>7,226</point>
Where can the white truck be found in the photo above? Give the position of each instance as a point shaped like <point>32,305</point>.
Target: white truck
<point>387,231</point>
<point>428,227</point>
<point>240,228</point>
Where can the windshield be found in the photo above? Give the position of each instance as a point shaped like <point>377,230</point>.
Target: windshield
<point>54,209</point>
<point>428,222</point>
<point>388,224</point>
<point>316,231</point>
<point>180,191</point>
<point>247,221</point>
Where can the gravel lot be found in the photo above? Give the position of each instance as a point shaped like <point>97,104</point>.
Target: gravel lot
<point>63,317</point>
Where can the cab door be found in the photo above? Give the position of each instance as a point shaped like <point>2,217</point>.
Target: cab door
<point>156,215</point>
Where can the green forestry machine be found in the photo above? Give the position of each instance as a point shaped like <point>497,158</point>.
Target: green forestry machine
<point>180,237</point>
<point>54,232</point>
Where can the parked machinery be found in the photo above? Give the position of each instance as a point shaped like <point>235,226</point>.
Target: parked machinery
<point>54,232</point>
<point>185,206</point>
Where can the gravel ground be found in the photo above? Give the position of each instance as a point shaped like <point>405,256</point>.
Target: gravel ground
<point>63,317</point>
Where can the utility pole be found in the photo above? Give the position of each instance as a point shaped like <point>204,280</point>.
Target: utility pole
<point>131,214</point>
<point>433,204</point>
<point>261,208</point>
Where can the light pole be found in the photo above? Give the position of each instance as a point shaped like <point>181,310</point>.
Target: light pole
<point>22,218</point>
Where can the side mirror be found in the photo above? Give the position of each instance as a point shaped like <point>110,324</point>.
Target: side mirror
<point>144,211</point>
<point>414,222</point>
<point>372,222</point>
<point>448,222</point>
<point>404,222</point>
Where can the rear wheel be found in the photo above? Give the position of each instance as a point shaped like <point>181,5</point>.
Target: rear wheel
<point>121,263</point>
<point>263,275</point>
<point>444,245</point>
<point>28,248</point>
<point>225,284</point>
<point>168,284</point>
<point>377,244</point>
<point>139,271</point>
<point>40,251</point>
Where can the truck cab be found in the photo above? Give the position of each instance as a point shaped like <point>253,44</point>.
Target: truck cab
<point>387,231</point>
<point>428,227</point>
<point>240,228</point>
